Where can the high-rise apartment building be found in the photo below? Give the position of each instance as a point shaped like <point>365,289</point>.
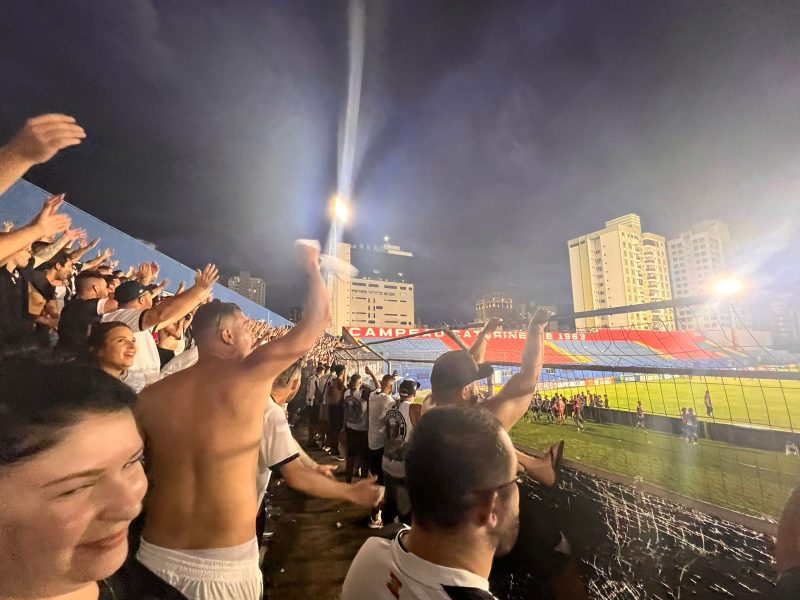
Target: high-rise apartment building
<point>698,257</point>
<point>381,295</point>
<point>619,266</point>
<point>252,288</point>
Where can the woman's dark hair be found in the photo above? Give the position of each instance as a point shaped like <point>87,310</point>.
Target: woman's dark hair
<point>99,333</point>
<point>354,379</point>
<point>39,402</point>
<point>455,453</point>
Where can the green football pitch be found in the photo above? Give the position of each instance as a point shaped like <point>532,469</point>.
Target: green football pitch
<point>751,481</point>
<point>757,402</point>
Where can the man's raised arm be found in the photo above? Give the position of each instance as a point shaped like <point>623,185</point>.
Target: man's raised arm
<point>45,253</point>
<point>178,306</point>
<point>511,403</point>
<point>37,142</point>
<point>272,358</point>
<point>46,224</point>
<point>478,349</point>
<point>93,264</point>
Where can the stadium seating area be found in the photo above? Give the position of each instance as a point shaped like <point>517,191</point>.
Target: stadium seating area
<point>24,200</point>
<point>606,348</point>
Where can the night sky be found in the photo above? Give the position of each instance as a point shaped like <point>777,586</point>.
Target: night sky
<point>490,132</point>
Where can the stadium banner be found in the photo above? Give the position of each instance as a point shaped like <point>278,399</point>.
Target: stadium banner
<point>396,332</point>
<point>465,334</point>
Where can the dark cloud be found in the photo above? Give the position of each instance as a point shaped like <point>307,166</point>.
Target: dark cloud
<point>491,132</point>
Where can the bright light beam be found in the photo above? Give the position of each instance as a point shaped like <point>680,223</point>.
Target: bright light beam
<point>727,287</point>
<point>340,209</point>
<point>356,34</point>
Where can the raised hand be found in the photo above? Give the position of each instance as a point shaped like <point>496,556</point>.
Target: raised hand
<point>492,325</point>
<point>145,273</point>
<point>256,329</point>
<point>204,280</point>
<point>75,234</point>
<point>541,318</point>
<point>49,220</point>
<point>308,252</point>
<point>43,136</point>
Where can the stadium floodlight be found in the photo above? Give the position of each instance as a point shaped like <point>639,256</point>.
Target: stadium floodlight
<point>340,209</point>
<point>727,286</point>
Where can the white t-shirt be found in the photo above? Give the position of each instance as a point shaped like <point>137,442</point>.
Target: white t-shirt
<point>384,570</point>
<point>147,364</point>
<point>277,447</point>
<point>182,361</point>
<point>379,404</point>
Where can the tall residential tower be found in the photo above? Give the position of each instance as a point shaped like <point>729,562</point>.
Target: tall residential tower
<point>619,266</point>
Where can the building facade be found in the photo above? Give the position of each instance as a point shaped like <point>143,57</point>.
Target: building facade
<point>619,266</point>
<point>697,258</point>
<point>785,322</point>
<point>253,288</point>
<point>497,305</point>
<point>382,294</point>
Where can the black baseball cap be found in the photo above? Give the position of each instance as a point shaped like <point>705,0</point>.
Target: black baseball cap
<point>457,369</point>
<point>407,387</point>
<point>131,290</point>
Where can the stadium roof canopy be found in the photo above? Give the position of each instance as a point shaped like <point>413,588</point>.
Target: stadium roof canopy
<point>24,200</point>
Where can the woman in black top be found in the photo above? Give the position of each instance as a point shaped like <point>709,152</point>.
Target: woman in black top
<point>71,481</point>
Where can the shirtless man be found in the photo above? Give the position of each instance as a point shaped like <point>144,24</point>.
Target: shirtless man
<point>203,428</point>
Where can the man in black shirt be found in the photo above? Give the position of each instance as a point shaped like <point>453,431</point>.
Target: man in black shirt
<point>87,308</point>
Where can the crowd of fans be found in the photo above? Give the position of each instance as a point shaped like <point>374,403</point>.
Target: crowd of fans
<point>101,369</point>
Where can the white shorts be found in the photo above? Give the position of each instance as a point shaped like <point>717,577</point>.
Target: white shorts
<point>214,574</point>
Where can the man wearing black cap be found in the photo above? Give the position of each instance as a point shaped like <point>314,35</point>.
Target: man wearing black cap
<point>136,310</point>
<point>400,421</point>
<point>454,380</point>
